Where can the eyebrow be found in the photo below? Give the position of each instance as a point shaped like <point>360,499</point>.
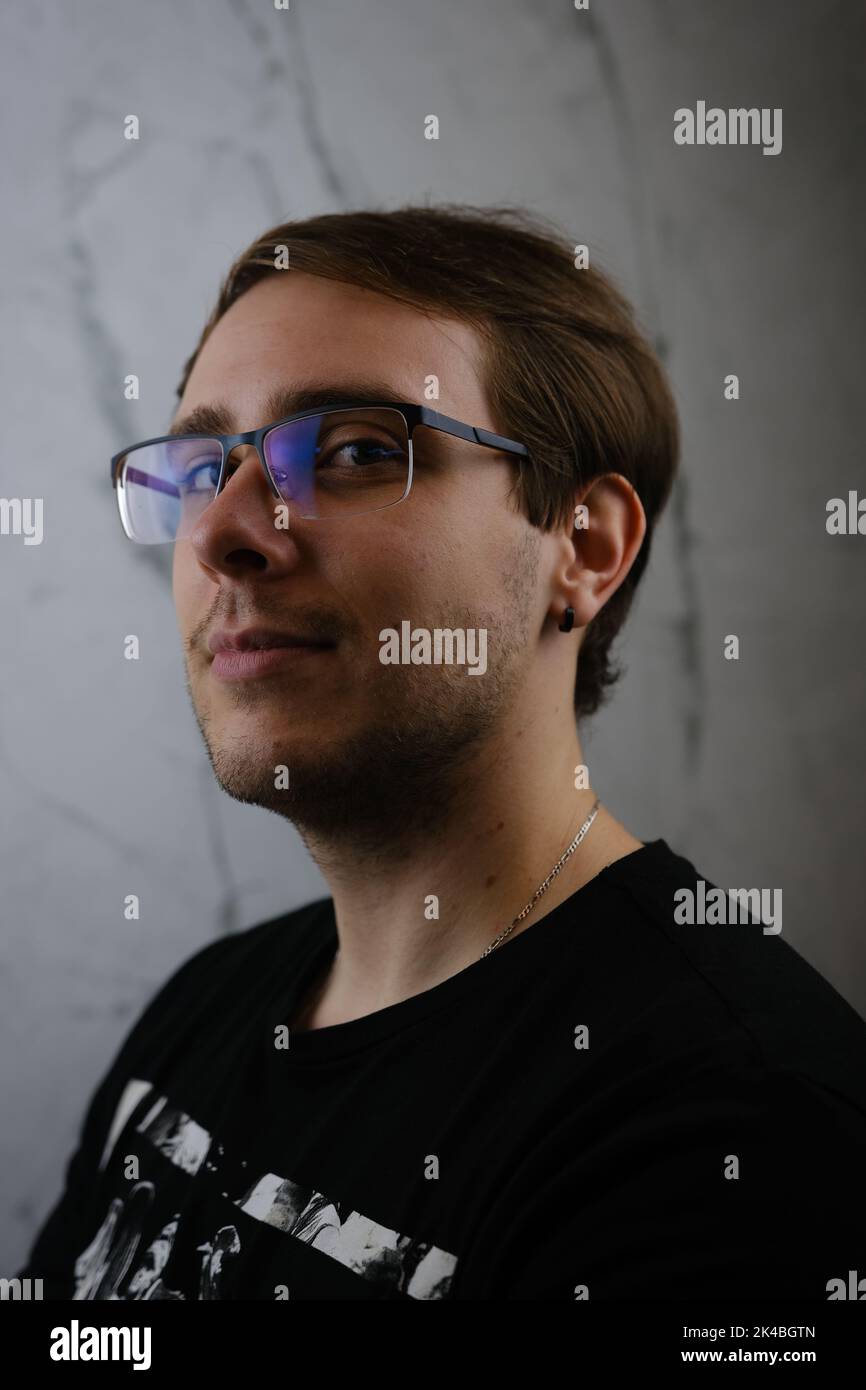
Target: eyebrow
<point>219,418</point>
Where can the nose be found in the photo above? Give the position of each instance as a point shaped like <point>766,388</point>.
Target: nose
<point>246,524</point>
<point>252,456</point>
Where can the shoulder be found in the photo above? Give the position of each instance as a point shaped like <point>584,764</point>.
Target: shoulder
<point>722,988</point>
<point>196,997</point>
<point>740,1182</point>
<point>282,935</point>
<point>257,959</point>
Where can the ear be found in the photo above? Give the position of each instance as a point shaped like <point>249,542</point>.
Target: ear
<point>600,546</point>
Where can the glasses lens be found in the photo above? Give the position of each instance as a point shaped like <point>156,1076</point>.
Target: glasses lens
<point>340,462</point>
<point>163,488</point>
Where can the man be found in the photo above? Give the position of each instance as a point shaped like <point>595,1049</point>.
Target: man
<point>495,1062</point>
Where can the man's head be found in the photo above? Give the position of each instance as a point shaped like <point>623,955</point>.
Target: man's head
<point>484,317</point>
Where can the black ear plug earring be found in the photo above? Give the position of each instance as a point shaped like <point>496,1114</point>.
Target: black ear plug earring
<point>568,620</point>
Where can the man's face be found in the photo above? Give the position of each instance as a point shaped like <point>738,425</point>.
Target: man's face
<point>368,747</point>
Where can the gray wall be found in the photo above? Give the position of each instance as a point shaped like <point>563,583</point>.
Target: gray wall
<point>111,254</point>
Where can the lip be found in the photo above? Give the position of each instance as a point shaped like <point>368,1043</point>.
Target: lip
<point>251,652</point>
<point>235,665</point>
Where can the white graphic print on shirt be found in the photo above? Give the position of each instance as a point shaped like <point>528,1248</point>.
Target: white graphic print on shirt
<point>370,1250</point>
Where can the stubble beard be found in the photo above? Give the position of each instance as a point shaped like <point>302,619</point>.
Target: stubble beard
<point>396,776</point>
<point>400,775</point>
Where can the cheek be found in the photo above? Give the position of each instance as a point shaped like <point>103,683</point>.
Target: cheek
<point>445,561</point>
<point>188,588</point>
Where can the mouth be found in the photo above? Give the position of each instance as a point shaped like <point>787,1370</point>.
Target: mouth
<point>253,652</point>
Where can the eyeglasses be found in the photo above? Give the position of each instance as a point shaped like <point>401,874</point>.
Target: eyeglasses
<point>324,464</point>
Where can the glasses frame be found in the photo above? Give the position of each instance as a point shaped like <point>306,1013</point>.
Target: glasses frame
<point>414,415</point>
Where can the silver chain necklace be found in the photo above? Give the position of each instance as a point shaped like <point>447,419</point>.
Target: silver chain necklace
<point>542,888</point>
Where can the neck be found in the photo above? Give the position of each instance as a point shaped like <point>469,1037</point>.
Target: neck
<point>430,904</point>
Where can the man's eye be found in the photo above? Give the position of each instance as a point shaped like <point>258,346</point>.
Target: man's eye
<point>360,452</point>
<point>201,477</point>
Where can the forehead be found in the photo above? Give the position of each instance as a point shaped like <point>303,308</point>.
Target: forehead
<point>292,329</point>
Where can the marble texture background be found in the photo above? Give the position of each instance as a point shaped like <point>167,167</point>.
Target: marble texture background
<point>112,252</point>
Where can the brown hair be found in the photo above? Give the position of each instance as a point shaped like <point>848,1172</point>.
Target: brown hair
<point>568,371</point>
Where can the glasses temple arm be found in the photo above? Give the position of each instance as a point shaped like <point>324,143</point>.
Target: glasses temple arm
<point>135,475</point>
<point>472,433</point>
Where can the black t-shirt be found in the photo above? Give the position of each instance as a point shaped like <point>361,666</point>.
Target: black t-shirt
<point>610,1105</point>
